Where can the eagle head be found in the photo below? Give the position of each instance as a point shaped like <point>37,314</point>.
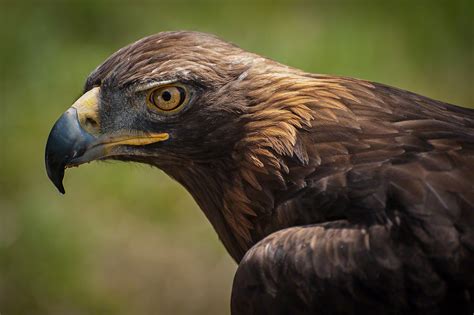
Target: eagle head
<point>172,99</point>
<point>203,110</point>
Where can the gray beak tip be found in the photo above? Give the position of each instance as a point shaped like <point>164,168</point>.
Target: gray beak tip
<point>66,140</point>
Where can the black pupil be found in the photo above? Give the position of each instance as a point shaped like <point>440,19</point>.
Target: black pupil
<point>166,96</point>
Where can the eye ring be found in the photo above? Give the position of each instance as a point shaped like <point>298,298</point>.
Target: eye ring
<point>168,98</point>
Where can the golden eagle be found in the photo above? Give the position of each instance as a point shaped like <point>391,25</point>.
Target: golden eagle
<point>334,195</point>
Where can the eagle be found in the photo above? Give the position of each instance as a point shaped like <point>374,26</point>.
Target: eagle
<point>334,195</point>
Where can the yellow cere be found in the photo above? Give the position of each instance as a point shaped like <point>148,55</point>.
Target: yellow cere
<point>87,107</point>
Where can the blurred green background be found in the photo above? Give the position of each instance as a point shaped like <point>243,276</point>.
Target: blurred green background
<point>126,239</point>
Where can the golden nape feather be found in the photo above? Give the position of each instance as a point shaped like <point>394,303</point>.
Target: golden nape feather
<point>334,195</point>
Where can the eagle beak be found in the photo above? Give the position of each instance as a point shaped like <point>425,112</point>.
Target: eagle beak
<point>76,139</point>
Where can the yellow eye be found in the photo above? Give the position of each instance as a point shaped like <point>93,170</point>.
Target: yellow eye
<point>168,98</point>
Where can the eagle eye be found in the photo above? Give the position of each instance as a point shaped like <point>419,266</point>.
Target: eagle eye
<point>169,98</point>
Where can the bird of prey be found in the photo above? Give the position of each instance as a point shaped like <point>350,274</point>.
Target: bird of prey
<point>334,195</point>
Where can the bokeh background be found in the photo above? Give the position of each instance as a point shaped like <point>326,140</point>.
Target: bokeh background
<point>125,239</point>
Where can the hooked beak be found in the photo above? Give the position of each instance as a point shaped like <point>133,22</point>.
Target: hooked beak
<point>76,139</point>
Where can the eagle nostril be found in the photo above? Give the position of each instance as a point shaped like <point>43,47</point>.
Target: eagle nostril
<point>91,122</point>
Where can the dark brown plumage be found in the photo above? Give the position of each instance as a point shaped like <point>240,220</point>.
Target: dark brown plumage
<point>334,195</point>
